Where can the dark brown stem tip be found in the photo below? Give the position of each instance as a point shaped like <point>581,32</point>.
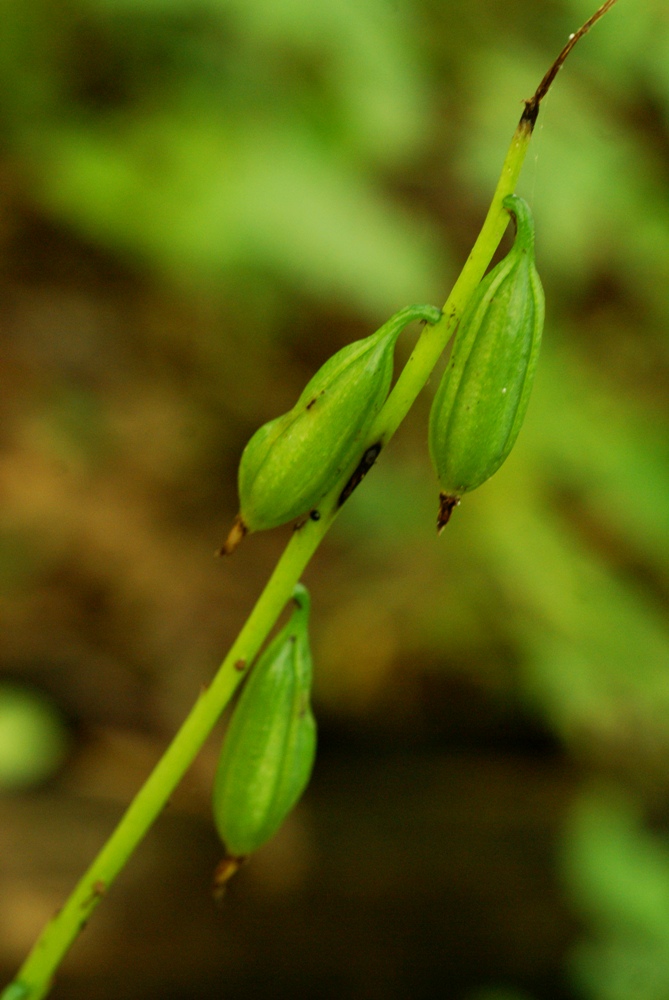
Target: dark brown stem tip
<point>237,532</point>
<point>532,106</point>
<point>447,504</point>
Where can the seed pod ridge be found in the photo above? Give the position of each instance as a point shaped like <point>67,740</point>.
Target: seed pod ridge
<point>483,396</point>
<point>294,460</point>
<point>269,748</point>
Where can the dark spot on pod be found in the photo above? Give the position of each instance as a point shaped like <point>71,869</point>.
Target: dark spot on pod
<point>447,504</point>
<point>240,665</point>
<point>315,515</point>
<point>314,400</point>
<point>364,465</point>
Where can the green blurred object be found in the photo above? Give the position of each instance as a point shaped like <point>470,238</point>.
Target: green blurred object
<point>33,738</point>
<point>184,137</point>
<point>618,876</point>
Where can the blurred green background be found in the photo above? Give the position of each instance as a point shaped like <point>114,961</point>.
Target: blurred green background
<point>200,201</point>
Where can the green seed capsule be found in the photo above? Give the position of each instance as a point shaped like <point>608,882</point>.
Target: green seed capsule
<point>483,396</point>
<point>269,748</point>
<point>293,461</point>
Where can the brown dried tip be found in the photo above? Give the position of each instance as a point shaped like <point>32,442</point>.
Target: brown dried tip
<point>237,532</point>
<point>447,503</point>
<point>225,869</point>
<point>532,106</point>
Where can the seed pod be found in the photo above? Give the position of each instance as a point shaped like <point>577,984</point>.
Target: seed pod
<point>483,396</point>
<point>294,460</point>
<point>269,748</point>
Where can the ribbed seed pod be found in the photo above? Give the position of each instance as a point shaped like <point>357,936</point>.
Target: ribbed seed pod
<point>269,748</point>
<point>294,460</point>
<point>483,396</point>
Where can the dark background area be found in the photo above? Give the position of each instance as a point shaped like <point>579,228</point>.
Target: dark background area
<point>199,203</point>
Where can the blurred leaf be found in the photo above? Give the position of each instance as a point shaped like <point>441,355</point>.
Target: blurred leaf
<point>618,876</point>
<point>224,161</point>
<point>33,738</point>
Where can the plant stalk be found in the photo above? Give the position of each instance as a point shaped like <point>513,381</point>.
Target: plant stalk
<point>34,979</point>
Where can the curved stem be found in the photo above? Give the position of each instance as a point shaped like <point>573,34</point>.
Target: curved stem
<point>36,973</point>
<point>34,978</point>
<point>435,338</point>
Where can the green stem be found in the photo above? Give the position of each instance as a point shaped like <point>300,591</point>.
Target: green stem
<point>435,338</point>
<point>34,978</point>
<point>36,973</point>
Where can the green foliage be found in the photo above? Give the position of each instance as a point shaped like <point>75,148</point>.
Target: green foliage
<point>618,874</point>
<point>190,138</point>
<point>33,738</point>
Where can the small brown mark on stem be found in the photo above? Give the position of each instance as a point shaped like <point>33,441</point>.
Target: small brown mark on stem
<point>363,467</point>
<point>315,515</point>
<point>98,890</point>
<point>240,665</point>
